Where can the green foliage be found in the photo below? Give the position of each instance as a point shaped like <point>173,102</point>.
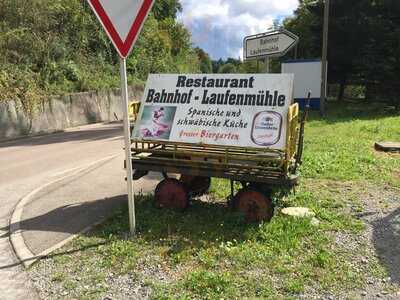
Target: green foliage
<point>364,43</point>
<point>305,25</point>
<point>206,66</point>
<point>209,285</point>
<point>165,9</point>
<point>229,65</point>
<point>54,46</point>
<point>232,65</point>
<point>21,86</point>
<point>163,47</point>
<point>228,68</point>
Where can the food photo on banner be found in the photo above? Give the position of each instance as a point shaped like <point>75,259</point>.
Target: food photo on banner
<point>216,109</point>
<point>157,122</point>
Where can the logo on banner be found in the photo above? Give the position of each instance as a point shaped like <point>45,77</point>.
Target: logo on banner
<point>267,127</point>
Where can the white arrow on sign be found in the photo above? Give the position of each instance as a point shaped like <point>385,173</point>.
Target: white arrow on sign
<point>269,44</point>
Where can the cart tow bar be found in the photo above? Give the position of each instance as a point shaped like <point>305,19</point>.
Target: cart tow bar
<point>299,155</point>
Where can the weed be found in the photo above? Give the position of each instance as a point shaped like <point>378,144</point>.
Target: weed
<point>209,252</point>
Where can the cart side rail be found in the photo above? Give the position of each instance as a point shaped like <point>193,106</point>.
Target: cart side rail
<point>134,108</point>
<point>293,130</point>
<point>202,154</point>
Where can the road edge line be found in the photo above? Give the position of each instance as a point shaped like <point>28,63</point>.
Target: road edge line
<point>17,241</point>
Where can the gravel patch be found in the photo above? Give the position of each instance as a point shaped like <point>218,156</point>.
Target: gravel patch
<point>378,246</point>
<point>112,286</point>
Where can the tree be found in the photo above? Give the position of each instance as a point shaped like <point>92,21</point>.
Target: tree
<point>379,62</point>
<point>164,9</point>
<point>205,61</point>
<point>216,64</point>
<point>228,68</point>
<point>304,23</point>
<point>56,46</point>
<point>364,42</point>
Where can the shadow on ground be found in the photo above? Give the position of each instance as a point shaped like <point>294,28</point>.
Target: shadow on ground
<point>386,239</point>
<point>72,218</point>
<point>203,224</point>
<point>95,134</point>
<point>348,111</point>
<point>69,219</point>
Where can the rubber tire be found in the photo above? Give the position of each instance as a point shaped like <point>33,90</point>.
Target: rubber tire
<point>196,185</point>
<point>171,194</point>
<point>255,206</point>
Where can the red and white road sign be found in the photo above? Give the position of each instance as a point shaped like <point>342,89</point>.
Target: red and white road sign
<point>122,20</point>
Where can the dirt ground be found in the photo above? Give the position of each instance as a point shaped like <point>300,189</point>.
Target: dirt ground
<point>379,244</point>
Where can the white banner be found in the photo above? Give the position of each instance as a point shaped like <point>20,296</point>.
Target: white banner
<point>246,110</point>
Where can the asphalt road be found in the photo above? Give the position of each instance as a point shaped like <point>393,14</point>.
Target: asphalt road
<point>27,164</point>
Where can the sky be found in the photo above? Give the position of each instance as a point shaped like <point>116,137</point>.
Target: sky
<point>219,26</point>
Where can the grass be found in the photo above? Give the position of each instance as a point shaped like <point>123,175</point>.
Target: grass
<point>209,252</point>
<point>340,147</point>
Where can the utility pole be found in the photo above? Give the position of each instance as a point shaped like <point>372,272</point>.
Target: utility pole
<point>324,78</point>
<point>267,65</point>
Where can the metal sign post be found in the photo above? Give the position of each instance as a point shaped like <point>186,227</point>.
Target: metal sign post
<point>122,21</point>
<point>127,135</point>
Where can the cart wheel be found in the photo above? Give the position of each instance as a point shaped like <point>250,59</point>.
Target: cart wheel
<point>196,185</point>
<point>255,205</point>
<point>171,194</point>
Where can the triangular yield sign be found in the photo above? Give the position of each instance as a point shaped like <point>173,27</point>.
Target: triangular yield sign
<point>122,20</point>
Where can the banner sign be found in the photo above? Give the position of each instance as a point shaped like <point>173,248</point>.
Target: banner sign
<point>246,110</point>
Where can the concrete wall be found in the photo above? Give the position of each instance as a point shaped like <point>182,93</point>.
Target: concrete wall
<point>64,112</point>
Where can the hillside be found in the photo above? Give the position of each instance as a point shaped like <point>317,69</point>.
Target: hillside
<point>53,47</point>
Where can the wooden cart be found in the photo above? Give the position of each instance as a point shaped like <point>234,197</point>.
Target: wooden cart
<point>258,170</point>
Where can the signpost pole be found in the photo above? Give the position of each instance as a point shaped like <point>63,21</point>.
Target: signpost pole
<point>123,21</point>
<point>129,171</point>
<point>324,75</point>
<point>267,60</point>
